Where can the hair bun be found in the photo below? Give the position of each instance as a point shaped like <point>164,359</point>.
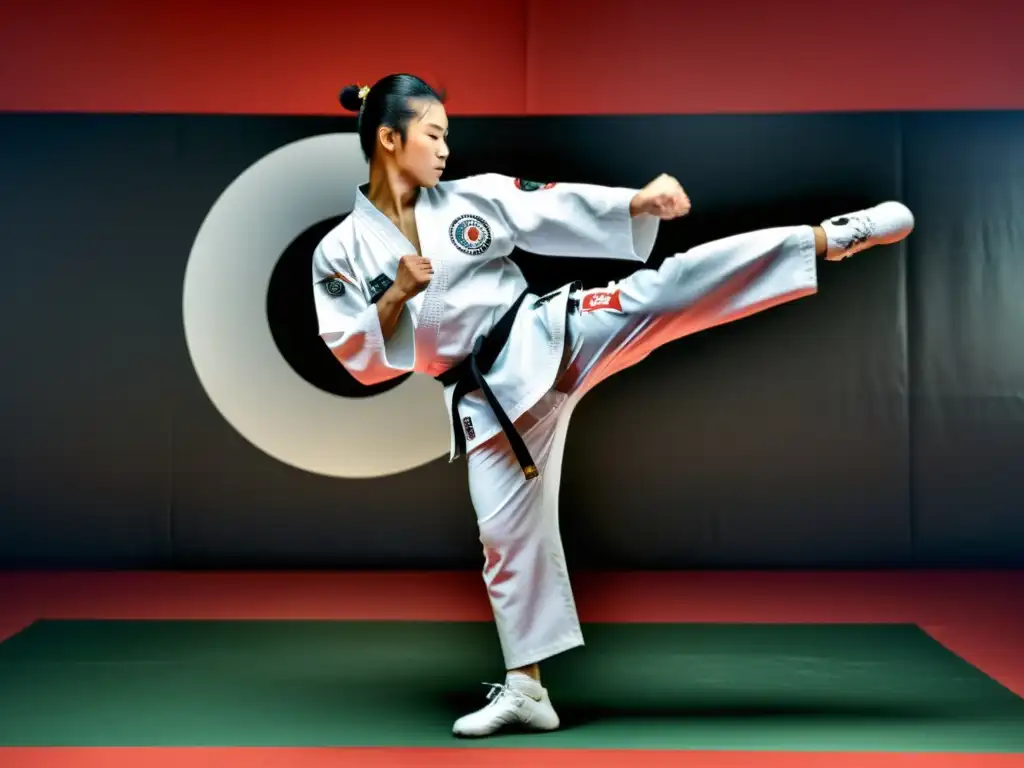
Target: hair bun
<point>349,98</point>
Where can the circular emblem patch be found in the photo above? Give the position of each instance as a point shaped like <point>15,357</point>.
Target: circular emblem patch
<point>532,186</point>
<point>334,286</point>
<point>470,234</point>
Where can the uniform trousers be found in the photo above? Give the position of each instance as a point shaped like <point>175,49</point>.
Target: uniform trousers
<point>607,330</point>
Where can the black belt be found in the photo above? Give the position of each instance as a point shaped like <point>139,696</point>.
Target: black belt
<point>468,376</point>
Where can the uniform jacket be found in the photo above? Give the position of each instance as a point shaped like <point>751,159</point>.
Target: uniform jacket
<point>468,228</point>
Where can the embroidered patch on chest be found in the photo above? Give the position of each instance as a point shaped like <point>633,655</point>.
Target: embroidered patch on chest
<point>532,186</point>
<point>470,234</point>
<point>377,286</point>
<point>595,300</point>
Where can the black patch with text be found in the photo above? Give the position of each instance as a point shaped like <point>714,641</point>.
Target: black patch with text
<point>467,424</point>
<point>378,286</point>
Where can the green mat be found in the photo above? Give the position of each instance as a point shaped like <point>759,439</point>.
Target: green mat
<point>324,683</point>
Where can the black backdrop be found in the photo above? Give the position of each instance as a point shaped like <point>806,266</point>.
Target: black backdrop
<point>880,422</point>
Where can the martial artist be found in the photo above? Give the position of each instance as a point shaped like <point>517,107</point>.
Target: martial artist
<point>418,278</point>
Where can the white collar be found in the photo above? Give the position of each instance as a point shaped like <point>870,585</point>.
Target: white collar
<point>381,224</point>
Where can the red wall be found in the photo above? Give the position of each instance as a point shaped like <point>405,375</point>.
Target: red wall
<point>514,56</point>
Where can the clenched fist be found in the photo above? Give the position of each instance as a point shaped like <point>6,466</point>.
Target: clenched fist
<point>663,197</point>
<point>414,273</point>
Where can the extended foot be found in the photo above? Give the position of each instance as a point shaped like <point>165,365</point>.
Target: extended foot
<point>881,225</point>
<point>521,702</point>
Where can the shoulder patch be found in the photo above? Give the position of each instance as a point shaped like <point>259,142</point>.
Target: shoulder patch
<point>470,234</point>
<point>334,285</point>
<point>532,186</point>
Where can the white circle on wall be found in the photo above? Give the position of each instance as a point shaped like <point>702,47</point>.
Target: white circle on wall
<point>231,345</point>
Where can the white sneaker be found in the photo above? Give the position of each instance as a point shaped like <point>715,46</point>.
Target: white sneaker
<point>521,701</point>
<point>884,224</point>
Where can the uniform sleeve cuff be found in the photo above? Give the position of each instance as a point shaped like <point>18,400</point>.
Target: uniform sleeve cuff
<point>398,352</point>
<point>640,232</point>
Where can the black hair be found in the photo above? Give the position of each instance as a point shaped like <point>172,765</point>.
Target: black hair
<point>387,103</point>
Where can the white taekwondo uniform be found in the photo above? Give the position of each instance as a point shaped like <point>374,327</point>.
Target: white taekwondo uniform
<point>468,228</point>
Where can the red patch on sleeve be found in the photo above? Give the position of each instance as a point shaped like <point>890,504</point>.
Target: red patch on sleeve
<point>596,300</point>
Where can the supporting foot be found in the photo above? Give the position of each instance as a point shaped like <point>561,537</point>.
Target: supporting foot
<point>521,702</point>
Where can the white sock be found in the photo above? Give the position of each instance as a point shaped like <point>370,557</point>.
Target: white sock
<point>522,682</point>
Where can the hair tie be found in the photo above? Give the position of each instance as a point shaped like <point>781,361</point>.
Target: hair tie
<point>363,92</point>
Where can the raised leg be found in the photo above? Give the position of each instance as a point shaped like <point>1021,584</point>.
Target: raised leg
<point>711,284</point>
<point>618,326</point>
